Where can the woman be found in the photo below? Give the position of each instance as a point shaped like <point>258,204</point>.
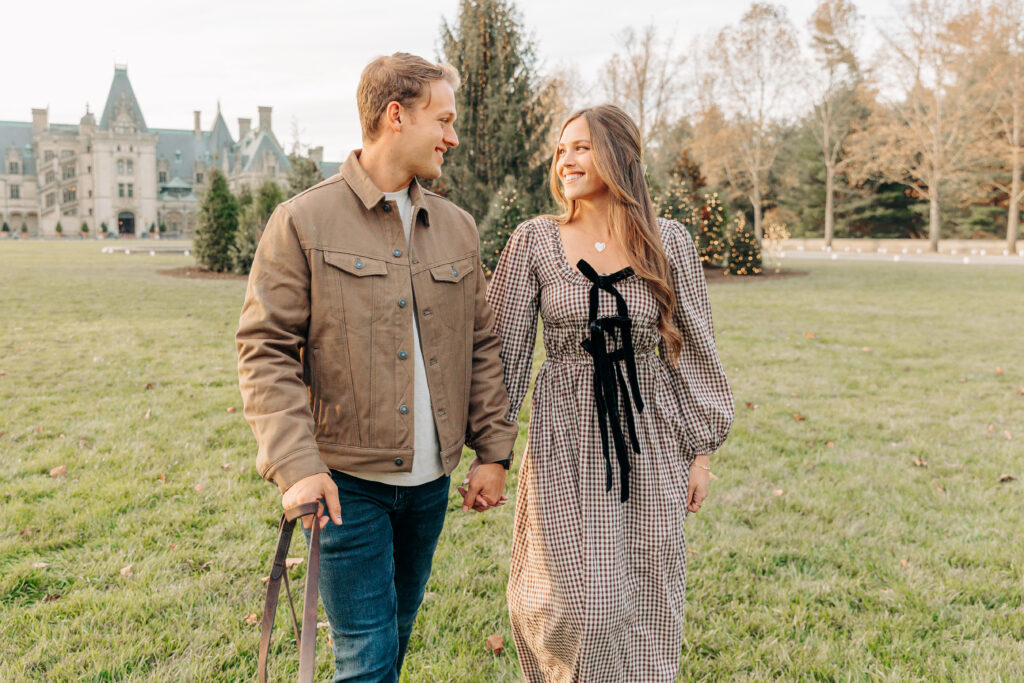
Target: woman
<point>626,409</point>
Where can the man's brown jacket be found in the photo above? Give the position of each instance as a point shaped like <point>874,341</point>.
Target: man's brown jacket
<point>325,340</point>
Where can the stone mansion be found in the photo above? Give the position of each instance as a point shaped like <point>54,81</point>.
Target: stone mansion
<point>120,172</point>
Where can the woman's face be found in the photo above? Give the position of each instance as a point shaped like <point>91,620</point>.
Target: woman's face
<point>575,163</point>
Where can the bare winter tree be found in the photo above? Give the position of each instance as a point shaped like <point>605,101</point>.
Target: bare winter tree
<point>835,30</point>
<point>923,130</point>
<point>749,86</point>
<point>645,78</point>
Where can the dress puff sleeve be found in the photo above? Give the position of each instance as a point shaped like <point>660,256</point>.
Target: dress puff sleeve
<point>698,379</point>
<point>514,296</point>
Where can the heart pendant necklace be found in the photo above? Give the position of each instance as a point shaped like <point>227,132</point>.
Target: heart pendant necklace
<point>600,246</point>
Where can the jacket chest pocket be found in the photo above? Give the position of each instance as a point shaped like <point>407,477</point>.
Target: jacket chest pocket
<point>453,292</point>
<point>357,287</point>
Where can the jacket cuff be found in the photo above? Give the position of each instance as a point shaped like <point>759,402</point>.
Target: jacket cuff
<point>497,449</point>
<point>296,466</point>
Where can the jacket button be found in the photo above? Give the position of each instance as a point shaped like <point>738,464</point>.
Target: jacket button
<point>397,252</point>
<point>399,461</point>
<point>403,409</point>
<point>401,303</point>
<point>455,273</point>
<point>359,264</point>
<point>386,207</point>
<point>403,355</point>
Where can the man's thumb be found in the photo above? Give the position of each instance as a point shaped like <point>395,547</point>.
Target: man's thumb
<point>333,503</point>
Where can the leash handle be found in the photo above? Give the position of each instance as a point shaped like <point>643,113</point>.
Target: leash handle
<point>278,571</point>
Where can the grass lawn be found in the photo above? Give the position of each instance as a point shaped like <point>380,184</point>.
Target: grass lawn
<point>824,553</point>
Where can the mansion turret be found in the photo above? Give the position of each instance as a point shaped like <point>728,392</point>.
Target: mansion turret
<point>120,172</point>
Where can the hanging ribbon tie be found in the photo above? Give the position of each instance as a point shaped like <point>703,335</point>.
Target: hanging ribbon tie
<point>608,377</point>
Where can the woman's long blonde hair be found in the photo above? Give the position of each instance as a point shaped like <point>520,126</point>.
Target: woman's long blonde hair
<point>617,148</point>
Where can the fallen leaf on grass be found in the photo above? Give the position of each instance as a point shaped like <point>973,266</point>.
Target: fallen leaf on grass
<point>199,488</point>
<point>778,492</point>
<point>26,532</point>
<point>1003,478</point>
<point>231,409</point>
<point>495,644</point>
<point>751,406</point>
<point>3,373</point>
<point>322,624</point>
<point>126,571</point>
<point>1006,433</point>
<point>940,489</point>
<point>793,394</point>
<point>292,562</point>
<point>82,443</point>
<point>62,437</point>
<point>39,429</point>
<point>999,371</point>
<point>830,444</point>
<point>162,477</point>
<point>798,417</point>
<point>50,597</point>
<point>265,579</point>
<point>991,428</point>
<point>865,348</point>
<point>149,411</point>
<point>59,471</point>
<point>226,466</point>
<point>963,379</point>
<point>251,619</point>
<point>904,564</point>
<point>172,546</point>
<point>810,335</point>
<point>918,462</point>
<point>1020,391</point>
<point>207,564</point>
<point>40,565</point>
<point>886,591</point>
<point>149,385</point>
<point>692,551</point>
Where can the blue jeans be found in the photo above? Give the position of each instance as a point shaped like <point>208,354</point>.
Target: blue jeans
<point>374,569</point>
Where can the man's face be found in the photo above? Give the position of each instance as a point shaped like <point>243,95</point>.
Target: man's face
<point>428,132</point>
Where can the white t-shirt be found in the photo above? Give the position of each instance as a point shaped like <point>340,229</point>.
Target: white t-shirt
<point>426,462</point>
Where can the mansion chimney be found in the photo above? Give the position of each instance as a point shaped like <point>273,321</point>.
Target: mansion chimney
<point>196,128</point>
<point>243,127</point>
<point>40,120</point>
<point>265,118</point>
<point>317,154</point>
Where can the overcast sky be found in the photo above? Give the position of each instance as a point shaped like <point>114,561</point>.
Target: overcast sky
<point>302,58</point>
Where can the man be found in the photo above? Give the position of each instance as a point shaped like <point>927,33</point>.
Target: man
<point>367,359</point>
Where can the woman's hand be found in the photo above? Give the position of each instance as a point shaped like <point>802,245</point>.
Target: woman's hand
<point>700,482</point>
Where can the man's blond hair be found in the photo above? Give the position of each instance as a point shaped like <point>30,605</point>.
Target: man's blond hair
<point>402,78</point>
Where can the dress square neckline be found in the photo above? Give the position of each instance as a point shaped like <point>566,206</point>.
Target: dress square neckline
<point>573,274</point>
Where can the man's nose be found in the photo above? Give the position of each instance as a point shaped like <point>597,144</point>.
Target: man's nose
<point>451,139</point>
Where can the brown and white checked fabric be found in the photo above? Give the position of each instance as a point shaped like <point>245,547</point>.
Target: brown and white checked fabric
<point>596,587</point>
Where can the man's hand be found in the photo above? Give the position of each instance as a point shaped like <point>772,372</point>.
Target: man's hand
<point>700,483</point>
<point>310,489</point>
<point>483,487</point>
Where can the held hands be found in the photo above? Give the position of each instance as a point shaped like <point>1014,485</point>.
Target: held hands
<point>310,489</point>
<point>483,487</point>
<point>700,481</point>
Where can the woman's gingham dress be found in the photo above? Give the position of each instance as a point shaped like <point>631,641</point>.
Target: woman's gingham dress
<point>597,585</point>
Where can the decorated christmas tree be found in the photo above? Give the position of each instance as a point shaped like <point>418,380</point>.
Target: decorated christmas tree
<point>744,250</point>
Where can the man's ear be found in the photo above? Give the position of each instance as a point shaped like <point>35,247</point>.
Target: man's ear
<point>393,116</point>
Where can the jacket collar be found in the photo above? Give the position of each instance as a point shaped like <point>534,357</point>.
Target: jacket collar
<point>368,192</point>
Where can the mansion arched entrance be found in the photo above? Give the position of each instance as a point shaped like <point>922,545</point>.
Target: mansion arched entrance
<point>125,223</point>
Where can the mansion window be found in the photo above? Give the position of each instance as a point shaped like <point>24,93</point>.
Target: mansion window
<point>51,199</point>
<point>199,178</point>
<point>131,166</point>
<point>70,194</point>
<point>67,171</point>
<point>120,166</point>
<point>15,191</point>
<point>120,189</point>
<point>163,176</point>
<point>125,166</point>
<point>47,155</point>
<point>131,190</point>
<point>13,167</point>
<point>66,153</point>
<point>50,177</point>
<point>71,212</point>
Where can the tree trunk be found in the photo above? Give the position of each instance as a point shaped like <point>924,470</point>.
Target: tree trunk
<point>1013,218</point>
<point>933,218</point>
<point>830,181</point>
<point>757,213</point>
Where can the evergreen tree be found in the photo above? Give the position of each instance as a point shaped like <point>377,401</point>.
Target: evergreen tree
<point>85,228</point>
<point>709,222</point>
<point>303,173</point>
<point>251,220</point>
<point>505,213</point>
<point>5,228</point>
<point>744,249</point>
<point>217,225</point>
<point>503,123</point>
<point>24,228</point>
<point>60,229</point>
